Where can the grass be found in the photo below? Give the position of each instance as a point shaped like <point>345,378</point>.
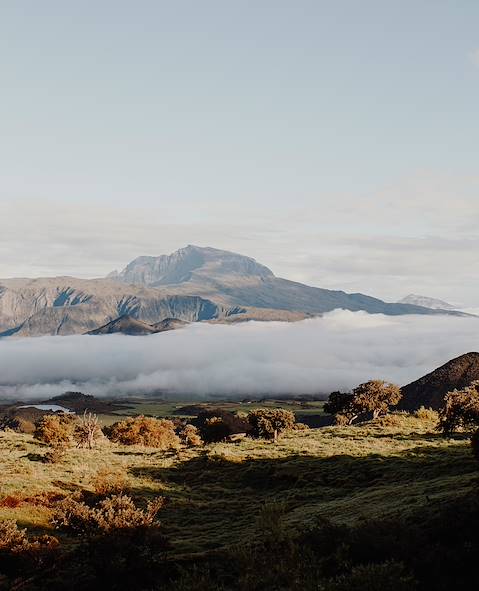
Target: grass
<point>216,494</point>
<point>169,408</point>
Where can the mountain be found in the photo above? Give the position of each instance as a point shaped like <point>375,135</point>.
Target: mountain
<point>434,304</point>
<point>124,325</point>
<point>192,284</point>
<point>235,280</point>
<point>429,391</point>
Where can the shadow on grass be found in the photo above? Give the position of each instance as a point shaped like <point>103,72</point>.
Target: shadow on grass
<point>214,502</point>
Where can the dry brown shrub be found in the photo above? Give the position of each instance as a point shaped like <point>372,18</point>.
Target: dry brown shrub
<point>112,513</point>
<point>55,429</point>
<point>54,455</point>
<point>389,421</point>
<point>427,414</point>
<point>190,436</point>
<point>108,481</point>
<point>342,420</point>
<point>460,411</point>
<point>147,431</point>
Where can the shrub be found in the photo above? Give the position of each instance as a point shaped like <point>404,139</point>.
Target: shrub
<point>270,423</point>
<point>115,512</point>
<point>87,432</point>
<point>109,482</point>
<point>217,425</point>
<point>54,455</point>
<point>460,410</point>
<point>19,553</point>
<point>427,414</point>
<point>189,435</point>
<point>146,431</point>
<point>55,429</point>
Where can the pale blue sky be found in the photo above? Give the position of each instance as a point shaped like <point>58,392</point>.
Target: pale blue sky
<point>305,133</point>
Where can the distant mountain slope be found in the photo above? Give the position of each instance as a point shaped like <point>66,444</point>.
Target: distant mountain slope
<point>192,284</point>
<point>233,279</point>
<point>433,303</point>
<point>429,391</point>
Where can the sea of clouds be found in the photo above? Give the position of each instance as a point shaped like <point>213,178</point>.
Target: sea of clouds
<point>337,351</point>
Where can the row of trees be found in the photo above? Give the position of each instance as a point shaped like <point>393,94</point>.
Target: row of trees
<point>62,430</point>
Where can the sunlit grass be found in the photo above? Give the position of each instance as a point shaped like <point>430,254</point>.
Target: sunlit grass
<point>215,494</point>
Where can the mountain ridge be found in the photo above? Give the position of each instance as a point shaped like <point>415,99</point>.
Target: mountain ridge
<point>192,284</point>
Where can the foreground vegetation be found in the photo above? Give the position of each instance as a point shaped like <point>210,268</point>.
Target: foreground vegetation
<point>377,505</point>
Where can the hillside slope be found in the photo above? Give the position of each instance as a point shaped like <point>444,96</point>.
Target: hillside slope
<point>429,390</point>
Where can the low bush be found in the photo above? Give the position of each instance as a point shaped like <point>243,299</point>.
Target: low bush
<point>54,455</point>
<point>190,436</point>
<point>147,431</point>
<point>113,513</point>
<point>427,414</point>
<point>108,481</point>
<point>56,429</point>
<point>20,554</point>
<point>460,411</point>
<point>217,425</point>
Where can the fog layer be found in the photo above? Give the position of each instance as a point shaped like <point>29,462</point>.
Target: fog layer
<point>319,355</point>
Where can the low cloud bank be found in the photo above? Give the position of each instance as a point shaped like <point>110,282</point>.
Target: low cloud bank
<point>336,351</point>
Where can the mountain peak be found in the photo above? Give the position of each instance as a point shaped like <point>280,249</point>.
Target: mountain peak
<point>426,302</point>
<point>188,262</point>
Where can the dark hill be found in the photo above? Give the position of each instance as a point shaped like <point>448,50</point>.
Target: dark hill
<point>79,402</point>
<point>125,325</point>
<point>429,391</point>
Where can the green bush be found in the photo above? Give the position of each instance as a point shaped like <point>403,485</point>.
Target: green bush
<point>270,423</point>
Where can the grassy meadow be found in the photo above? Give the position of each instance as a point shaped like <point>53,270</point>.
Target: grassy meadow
<point>216,494</point>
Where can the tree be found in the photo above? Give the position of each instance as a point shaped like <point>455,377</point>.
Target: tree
<point>341,405</point>
<point>460,410</point>
<point>376,396</point>
<point>87,431</point>
<point>269,423</point>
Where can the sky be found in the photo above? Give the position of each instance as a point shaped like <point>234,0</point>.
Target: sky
<point>335,142</point>
<point>314,356</point>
